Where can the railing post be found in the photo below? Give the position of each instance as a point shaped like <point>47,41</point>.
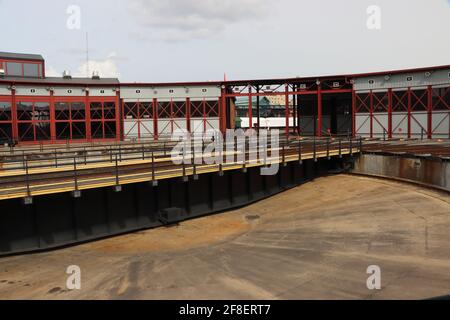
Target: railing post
<point>75,173</point>
<point>300,160</point>
<point>360,145</point>
<point>314,149</point>
<point>328,149</point>
<point>27,178</point>
<point>351,146</point>
<point>117,172</point>
<point>153,169</point>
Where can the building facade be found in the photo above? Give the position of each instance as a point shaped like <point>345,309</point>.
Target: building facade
<point>39,109</point>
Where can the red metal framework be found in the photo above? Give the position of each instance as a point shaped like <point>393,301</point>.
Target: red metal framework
<point>103,113</point>
<point>141,115</point>
<point>33,118</point>
<point>439,102</point>
<point>409,112</point>
<point>69,119</point>
<point>289,89</point>
<point>6,118</point>
<point>362,104</point>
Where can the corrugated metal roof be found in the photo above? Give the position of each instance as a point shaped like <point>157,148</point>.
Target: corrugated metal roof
<point>20,56</point>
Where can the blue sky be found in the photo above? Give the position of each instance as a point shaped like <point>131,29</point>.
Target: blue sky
<point>190,40</point>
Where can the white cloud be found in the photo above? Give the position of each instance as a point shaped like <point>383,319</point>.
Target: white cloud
<point>52,72</point>
<point>176,20</point>
<point>106,68</point>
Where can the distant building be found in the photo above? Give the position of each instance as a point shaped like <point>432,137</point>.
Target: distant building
<point>279,100</point>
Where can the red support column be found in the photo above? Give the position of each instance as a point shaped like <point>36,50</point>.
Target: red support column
<point>409,113</point>
<point>204,114</point>
<point>88,117</point>
<point>118,108</point>
<point>390,106</point>
<point>354,113</point>
<point>53,117</point>
<point>319,110</point>
<point>250,108</point>
<point>286,112</point>
<point>294,110</point>
<point>155,118</point>
<point>15,126</point>
<point>371,114</point>
<point>188,115</point>
<point>222,111</point>
<point>138,111</point>
<point>430,112</point>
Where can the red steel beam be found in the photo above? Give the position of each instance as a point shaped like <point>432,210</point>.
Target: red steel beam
<point>371,114</point>
<point>188,114</point>
<point>235,94</point>
<point>88,117</point>
<point>53,117</point>
<point>390,106</point>
<point>430,112</point>
<point>319,110</point>
<point>250,108</point>
<point>409,113</point>
<point>118,120</point>
<point>287,115</point>
<point>15,126</point>
<point>354,113</point>
<point>155,118</point>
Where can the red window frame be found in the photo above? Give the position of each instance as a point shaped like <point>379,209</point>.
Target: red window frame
<point>107,120</point>
<point>10,121</point>
<point>34,122</point>
<point>41,71</point>
<point>70,121</point>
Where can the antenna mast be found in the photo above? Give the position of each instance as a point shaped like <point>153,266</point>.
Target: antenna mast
<point>87,54</point>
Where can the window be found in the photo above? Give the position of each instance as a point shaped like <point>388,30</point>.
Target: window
<point>138,91</point>
<point>171,91</point>
<point>5,120</point>
<point>409,79</point>
<point>30,70</point>
<point>70,120</point>
<point>371,81</point>
<point>205,90</point>
<point>14,68</point>
<point>33,120</point>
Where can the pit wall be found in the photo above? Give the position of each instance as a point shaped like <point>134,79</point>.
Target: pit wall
<point>60,219</point>
<point>432,172</point>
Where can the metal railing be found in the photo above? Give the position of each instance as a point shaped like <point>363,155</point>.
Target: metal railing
<point>153,163</point>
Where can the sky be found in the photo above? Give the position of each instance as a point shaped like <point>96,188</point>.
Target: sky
<point>203,40</point>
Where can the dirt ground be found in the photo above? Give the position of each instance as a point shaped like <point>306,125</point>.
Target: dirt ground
<point>312,242</point>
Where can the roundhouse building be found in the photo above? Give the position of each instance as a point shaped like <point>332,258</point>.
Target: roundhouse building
<point>39,109</point>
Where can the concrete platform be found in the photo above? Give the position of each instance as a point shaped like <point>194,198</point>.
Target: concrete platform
<point>312,242</point>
